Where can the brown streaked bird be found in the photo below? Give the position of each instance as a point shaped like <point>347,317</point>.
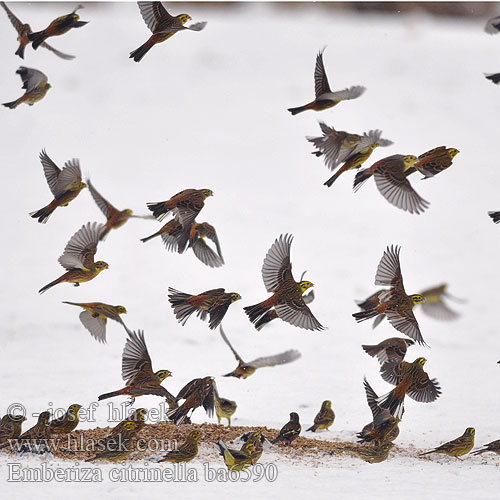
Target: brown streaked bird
<point>67,422</point>
<point>213,303</point>
<point>224,408</point>
<point>374,454</point>
<point>57,27</point>
<point>39,432</point>
<point>324,419</point>
<point>95,317</point>
<point>138,417</point>
<point>64,184</point>
<point>186,451</point>
<point>78,257</point>
<point>325,98</point>
<point>198,392</point>
<point>23,30</point>
<point>170,234</point>
<point>457,447</point>
<point>433,162</point>
<point>162,25</point>
<point>116,447</point>
<point>290,430</point>
<point>384,427</point>
<point>287,293</point>
<point>494,447</point>
<point>392,183</point>
<point>36,85</point>
<point>185,205</point>
<point>411,379</point>
<point>236,460</point>
<point>338,147</point>
<point>115,218</point>
<point>258,440</point>
<point>244,370</point>
<point>394,303</point>
<point>11,427</point>
<point>391,350</point>
<point>137,372</point>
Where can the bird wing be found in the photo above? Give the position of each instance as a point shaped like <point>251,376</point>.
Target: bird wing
<point>233,350</point>
<point>344,94</point>
<point>330,145</point>
<point>96,326</point>
<point>393,372</point>
<point>189,388</point>
<point>104,205</point>
<point>196,26</point>
<point>209,399</point>
<point>405,322</point>
<point>440,311</point>
<point>31,77</point>
<point>82,246</point>
<point>16,22</point>
<point>493,25</point>
<point>276,359</point>
<point>389,270</point>
<point>424,389</point>
<point>135,356</point>
<point>204,253</point>
<point>58,53</point>
<point>208,231</point>
<point>70,174</point>
<point>51,171</point>
<point>298,314</point>
<point>321,85</point>
<point>371,397</point>
<point>277,267</point>
<point>153,13</point>
<point>397,190</point>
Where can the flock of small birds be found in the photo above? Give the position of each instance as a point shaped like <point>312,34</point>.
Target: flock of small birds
<point>287,300</point>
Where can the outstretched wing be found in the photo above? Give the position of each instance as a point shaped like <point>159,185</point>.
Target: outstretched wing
<point>96,326</point>
<point>70,175</point>
<point>277,359</point>
<point>153,13</point>
<point>135,356</point>
<point>233,350</point>
<point>389,269</point>
<point>425,390</point>
<point>208,231</point>
<point>298,314</point>
<point>81,248</point>
<point>405,322</point>
<point>321,85</point>
<point>58,53</point>
<point>371,397</point>
<point>277,267</point>
<point>16,22</point>
<point>51,171</point>
<point>31,77</point>
<point>104,205</point>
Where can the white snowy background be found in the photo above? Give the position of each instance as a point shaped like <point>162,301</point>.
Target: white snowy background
<point>208,110</point>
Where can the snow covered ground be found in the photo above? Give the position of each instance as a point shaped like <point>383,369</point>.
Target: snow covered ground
<point>208,110</point>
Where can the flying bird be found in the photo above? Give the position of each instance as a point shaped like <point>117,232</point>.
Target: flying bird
<point>36,85</point>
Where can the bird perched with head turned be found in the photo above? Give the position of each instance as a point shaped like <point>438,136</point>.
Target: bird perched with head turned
<point>64,184</point>
<point>384,427</point>
<point>213,303</point>
<point>494,447</point>
<point>433,162</point>
<point>244,370</point>
<point>162,25</point>
<point>115,218</point>
<point>353,150</point>
<point>237,460</point>
<point>198,392</point>
<point>186,451</point>
<point>457,447</point>
<point>394,303</point>
<point>117,446</point>
<point>34,435</point>
<point>325,98</point>
<point>186,205</point>
<point>95,317</point>
<point>287,293</point>
<point>391,350</point>
<point>137,371</point>
<point>23,30</point>
<point>290,430</point>
<point>36,85</point>
<point>324,419</point>
<point>78,257</point>
<point>391,180</point>
<point>411,379</point>
<point>11,427</point>
<point>67,422</point>
<point>224,408</point>
<point>57,27</point>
